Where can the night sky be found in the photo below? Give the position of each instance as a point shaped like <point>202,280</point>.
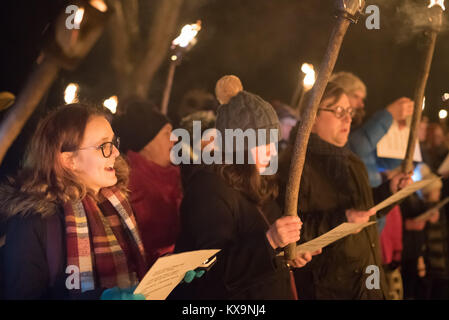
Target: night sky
<point>264,42</point>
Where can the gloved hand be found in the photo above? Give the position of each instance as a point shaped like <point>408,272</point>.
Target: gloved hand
<point>192,274</point>
<point>117,293</point>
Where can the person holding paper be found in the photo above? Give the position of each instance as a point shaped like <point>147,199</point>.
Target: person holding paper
<point>71,231</point>
<point>231,207</point>
<point>335,189</point>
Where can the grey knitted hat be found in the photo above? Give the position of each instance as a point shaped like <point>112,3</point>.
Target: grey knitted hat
<point>247,111</point>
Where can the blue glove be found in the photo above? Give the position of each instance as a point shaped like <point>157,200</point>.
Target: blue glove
<point>192,274</point>
<point>116,293</point>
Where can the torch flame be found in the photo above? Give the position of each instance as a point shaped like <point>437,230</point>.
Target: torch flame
<point>79,17</point>
<point>111,104</point>
<point>437,3</point>
<point>188,34</point>
<point>99,5</point>
<point>71,93</point>
<point>309,79</point>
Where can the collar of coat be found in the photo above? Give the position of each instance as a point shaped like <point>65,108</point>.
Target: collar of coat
<point>13,201</point>
<point>319,146</point>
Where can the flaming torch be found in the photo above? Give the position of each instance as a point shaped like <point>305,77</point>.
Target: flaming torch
<point>347,12</point>
<point>308,82</point>
<point>182,44</point>
<point>435,18</point>
<point>305,84</point>
<point>65,48</point>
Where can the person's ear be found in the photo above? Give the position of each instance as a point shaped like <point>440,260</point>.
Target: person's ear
<point>67,160</point>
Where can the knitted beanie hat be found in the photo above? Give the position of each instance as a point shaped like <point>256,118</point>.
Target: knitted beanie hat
<point>140,123</point>
<point>348,81</point>
<point>244,111</point>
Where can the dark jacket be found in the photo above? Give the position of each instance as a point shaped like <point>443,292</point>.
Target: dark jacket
<point>334,180</point>
<point>34,254</point>
<point>216,216</point>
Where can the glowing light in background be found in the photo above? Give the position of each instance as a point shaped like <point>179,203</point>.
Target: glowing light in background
<point>71,93</point>
<point>309,79</point>
<point>111,103</point>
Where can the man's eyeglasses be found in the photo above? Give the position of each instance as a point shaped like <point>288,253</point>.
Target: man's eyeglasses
<point>106,147</point>
<point>340,112</point>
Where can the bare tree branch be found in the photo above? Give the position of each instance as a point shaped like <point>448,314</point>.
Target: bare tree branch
<point>159,38</point>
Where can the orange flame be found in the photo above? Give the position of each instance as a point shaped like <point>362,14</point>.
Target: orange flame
<point>437,3</point>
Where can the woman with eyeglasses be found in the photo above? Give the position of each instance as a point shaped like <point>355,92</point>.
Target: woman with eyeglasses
<point>71,231</point>
<point>335,189</point>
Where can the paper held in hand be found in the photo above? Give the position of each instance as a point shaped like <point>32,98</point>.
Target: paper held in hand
<point>394,143</point>
<point>444,166</point>
<point>401,194</point>
<point>427,214</point>
<point>168,271</point>
<point>335,234</point>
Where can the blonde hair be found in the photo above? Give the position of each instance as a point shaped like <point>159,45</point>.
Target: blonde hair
<point>348,81</point>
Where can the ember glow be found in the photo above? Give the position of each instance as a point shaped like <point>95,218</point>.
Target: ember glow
<point>71,93</point>
<point>188,34</point>
<point>437,3</point>
<point>309,79</point>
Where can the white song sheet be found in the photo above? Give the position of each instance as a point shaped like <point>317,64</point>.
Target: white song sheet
<point>168,271</point>
<point>427,214</point>
<point>329,237</point>
<point>394,143</point>
<point>404,193</point>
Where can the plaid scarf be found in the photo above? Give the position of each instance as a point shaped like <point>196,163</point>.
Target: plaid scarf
<point>103,241</point>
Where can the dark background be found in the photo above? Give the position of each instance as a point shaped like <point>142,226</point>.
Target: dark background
<point>264,42</point>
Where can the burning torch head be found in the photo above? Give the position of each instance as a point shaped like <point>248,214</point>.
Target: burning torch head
<point>351,9</point>
<point>435,14</point>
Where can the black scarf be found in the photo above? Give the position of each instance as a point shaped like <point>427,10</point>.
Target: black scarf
<point>334,161</point>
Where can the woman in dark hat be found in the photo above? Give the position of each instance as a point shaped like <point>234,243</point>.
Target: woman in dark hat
<point>155,183</point>
<point>231,207</point>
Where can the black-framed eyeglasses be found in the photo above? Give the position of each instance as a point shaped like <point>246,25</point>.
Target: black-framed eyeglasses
<point>340,112</point>
<point>106,147</point>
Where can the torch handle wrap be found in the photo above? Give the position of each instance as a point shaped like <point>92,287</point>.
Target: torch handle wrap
<point>407,164</point>
<point>305,127</point>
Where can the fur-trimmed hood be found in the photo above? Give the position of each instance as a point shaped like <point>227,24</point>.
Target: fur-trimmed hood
<point>14,201</point>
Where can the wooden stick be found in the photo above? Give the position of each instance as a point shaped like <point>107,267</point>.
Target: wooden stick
<point>305,126</point>
<point>168,87</point>
<point>298,90</point>
<point>27,101</point>
<point>407,164</point>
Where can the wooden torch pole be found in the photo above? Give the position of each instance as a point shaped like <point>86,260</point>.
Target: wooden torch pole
<point>344,18</point>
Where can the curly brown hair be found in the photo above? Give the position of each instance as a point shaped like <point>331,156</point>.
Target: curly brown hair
<point>43,172</point>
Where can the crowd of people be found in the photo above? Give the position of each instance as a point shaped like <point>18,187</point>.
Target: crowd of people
<point>100,193</point>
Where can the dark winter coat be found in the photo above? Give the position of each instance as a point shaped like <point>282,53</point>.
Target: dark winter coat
<point>333,180</point>
<point>216,216</point>
<point>34,254</point>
